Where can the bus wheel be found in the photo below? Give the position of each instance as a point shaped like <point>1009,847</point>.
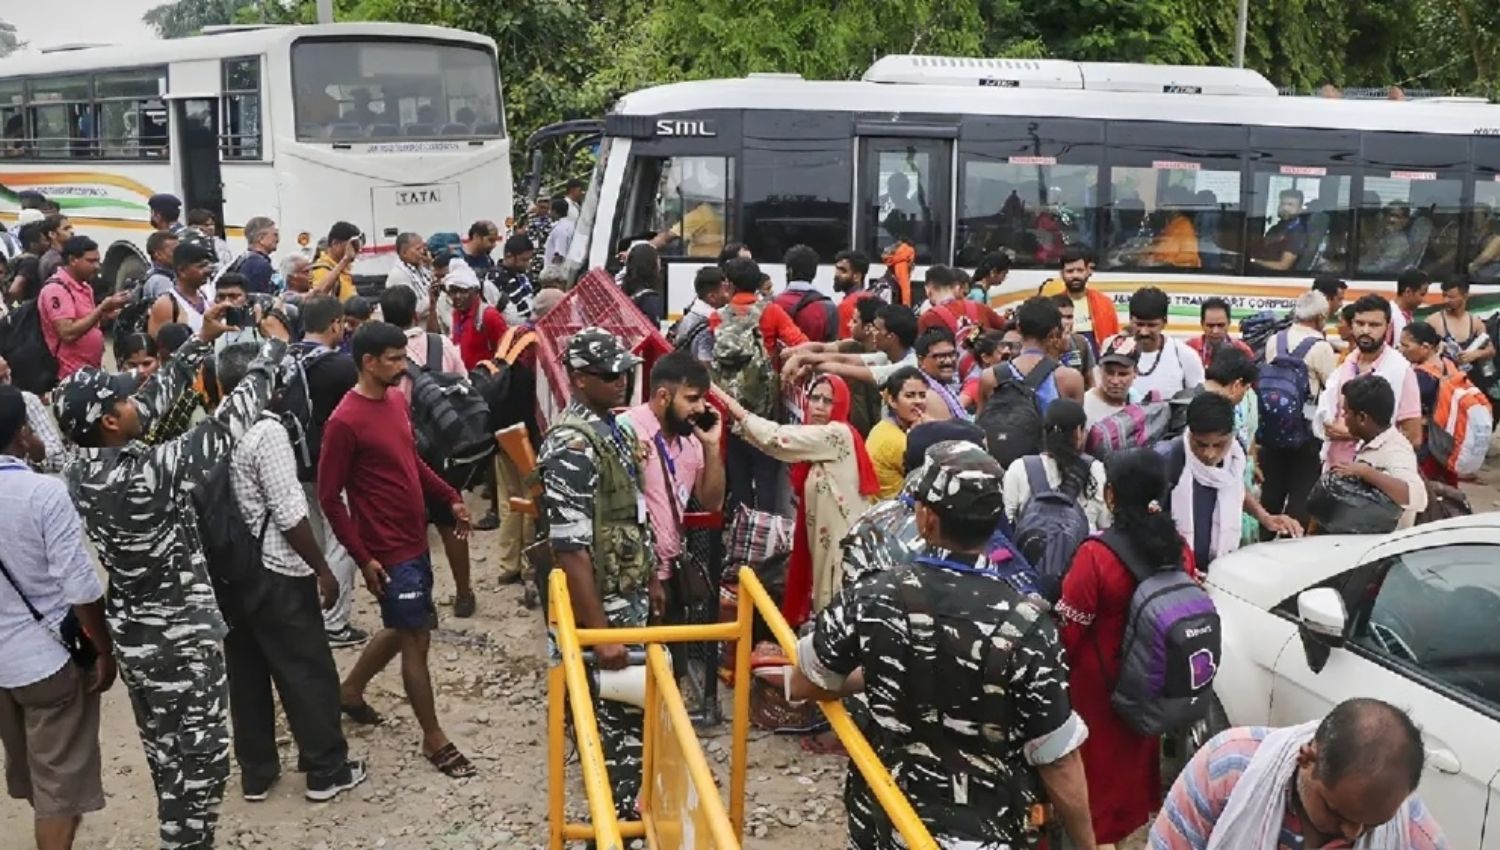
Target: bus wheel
<point>129,268</point>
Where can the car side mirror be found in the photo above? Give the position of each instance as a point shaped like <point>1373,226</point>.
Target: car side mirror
<point>1321,618</point>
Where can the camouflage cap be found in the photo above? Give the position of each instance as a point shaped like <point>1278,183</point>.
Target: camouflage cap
<point>959,477</point>
<point>86,396</point>
<point>597,349</point>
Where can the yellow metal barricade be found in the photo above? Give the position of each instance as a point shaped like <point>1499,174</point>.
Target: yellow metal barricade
<point>680,804</point>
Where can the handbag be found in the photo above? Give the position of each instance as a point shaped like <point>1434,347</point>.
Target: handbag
<point>757,536</point>
<point>689,585</point>
<point>69,633</point>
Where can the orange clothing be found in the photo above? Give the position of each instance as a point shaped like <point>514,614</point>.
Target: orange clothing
<point>847,308</point>
<point>775,325</point>
<point>1105,321</point>
<point>1176,246</point>
<point>899,260</point>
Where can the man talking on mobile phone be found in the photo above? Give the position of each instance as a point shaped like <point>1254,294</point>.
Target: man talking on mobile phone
<point>680,435</point>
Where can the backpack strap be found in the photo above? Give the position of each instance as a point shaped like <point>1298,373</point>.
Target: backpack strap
<point>811,296</point>
<point>434,353</point>
<point>1303,347</point>
<point>1040,373</point>
<point>1176,465</point>
<point>1116,542</point>
<point>1036,475</point>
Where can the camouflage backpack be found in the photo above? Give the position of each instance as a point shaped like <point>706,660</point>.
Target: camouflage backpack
<point>741,366</point>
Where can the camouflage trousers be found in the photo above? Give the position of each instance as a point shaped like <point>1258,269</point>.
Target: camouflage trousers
<point>182,712</point>
<point>621,725</point>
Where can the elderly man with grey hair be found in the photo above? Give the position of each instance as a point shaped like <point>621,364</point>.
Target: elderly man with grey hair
<point>296,277</point>
<point>263,238</point>
<point>413,270</point>
<point>1291,463</point>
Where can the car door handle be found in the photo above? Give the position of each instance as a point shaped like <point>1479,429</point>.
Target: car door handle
<point>1443,760</point>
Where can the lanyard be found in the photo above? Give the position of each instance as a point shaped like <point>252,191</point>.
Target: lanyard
<point>953,566</point>
<point>661,449</point>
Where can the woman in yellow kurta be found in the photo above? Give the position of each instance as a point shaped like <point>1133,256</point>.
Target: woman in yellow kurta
<point>905,395</point>
<point>832,478</point>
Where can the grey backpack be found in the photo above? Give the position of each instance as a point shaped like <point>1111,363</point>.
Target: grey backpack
<point>1050,528</point>
<point>1170,651</point>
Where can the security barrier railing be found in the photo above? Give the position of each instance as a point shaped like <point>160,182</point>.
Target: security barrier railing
<point>680,804</point>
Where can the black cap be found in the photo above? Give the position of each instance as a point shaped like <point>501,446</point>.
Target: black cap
<point>165,205</point>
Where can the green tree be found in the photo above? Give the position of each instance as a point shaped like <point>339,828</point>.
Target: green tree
<point>179,18</point>
<point>10,41</point>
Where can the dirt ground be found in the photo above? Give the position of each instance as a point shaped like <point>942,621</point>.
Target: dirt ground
<point>489,672</point>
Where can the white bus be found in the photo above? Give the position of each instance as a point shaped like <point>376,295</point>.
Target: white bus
<point>1171,176</point>
<point>392,127</point>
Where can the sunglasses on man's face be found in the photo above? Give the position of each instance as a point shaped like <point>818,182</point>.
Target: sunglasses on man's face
<point>606,377</point>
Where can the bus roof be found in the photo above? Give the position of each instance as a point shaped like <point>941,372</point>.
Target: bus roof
<point>216,45</point>
<point>784,91</point>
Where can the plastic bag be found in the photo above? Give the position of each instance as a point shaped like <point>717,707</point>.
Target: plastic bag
<point>1343,505</point>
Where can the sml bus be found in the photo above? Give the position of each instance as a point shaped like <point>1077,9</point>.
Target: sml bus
<point>1192,179</point>
<point>391,127</point>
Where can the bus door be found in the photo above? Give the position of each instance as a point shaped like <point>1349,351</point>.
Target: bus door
<point>196,122</point>
<point>905,189</point>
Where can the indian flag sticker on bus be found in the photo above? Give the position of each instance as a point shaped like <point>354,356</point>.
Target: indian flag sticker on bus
<point>1032,160</point>
<point>1413,175</point>
<point>1304,171</point>
<point>1173,165</point>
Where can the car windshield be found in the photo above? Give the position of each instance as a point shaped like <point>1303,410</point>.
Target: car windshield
<point>361,90</point>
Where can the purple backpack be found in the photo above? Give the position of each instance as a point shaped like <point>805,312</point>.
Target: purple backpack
<point>1134,426</point>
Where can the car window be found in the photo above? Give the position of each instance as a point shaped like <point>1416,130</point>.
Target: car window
<point>1434,613</point>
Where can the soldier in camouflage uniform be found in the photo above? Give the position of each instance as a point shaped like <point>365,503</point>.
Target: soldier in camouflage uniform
<point>595,518</point>
<point>965,678</point>
<point>886,536</point>
<point>161,611</point>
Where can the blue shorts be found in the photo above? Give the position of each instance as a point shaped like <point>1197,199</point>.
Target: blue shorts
<point>407,601</point>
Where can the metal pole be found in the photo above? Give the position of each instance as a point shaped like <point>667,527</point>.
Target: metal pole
<point>325,12</point>
<point>1239,34</point>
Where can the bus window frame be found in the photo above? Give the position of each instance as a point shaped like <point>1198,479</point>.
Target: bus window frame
<point>776,119</point>
<point>1149,150</point>
<point>727,143</point>
<point>879,137</point>
<point>324,40</point>
<point>990,138</point>
<point>91,146</point>
<point>1372,143</point>
<point>28,104</point>
<point>225,95</point>
<point>1337,152</point>
<point>1484,167</point>
<point>625,208</point>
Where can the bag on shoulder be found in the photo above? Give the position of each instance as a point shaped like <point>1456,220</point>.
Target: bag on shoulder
<point>232,548</point>
<point>295,410</point>
<point>1283,391</point>
<point>1171,648</point>
<point>450,420</point>
<point>740,366</point>
<point>960,321</point>
<point>829,309</point>
<point>502,384</point>
<point>1134,426</point>
<point>33,363</point>
<point>1012,416</point>
<point>1458,434</point>
<point>1050,528</point>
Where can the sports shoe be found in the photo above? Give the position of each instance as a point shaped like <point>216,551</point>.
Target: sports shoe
<point>323,790</point>
<point>464,604</point>
<point>255,789</point>
<point>489,522</point>
<point>347,636</point>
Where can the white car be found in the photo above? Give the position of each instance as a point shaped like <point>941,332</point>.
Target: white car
<point>1412,618</point>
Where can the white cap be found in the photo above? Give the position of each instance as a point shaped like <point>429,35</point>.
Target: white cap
<point>28,217</point>
<point>461,275</point>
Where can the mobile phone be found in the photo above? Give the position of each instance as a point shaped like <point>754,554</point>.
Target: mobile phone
<point>706,420</point>
<point>236,317</point>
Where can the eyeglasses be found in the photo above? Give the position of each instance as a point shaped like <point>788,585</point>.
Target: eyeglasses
<point>606,377</point>
<point>944,355</point>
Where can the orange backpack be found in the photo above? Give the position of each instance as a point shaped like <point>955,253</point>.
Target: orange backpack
<point>1458,433</point>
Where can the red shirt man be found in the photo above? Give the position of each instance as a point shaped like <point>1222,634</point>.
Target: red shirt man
<point>1214,317</point>
<point>775,325</point>
<point>70,319</point>
<point>477,327</point>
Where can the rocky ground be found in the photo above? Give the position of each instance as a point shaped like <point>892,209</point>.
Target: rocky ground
<point>490,678</point>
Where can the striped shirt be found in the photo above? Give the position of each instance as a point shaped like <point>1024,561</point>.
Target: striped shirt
<point>1200,794</point>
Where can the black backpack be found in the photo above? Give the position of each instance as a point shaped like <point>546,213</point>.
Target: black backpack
<point>1012,417</point>
<point>450,420</point>
<point>135,316</point>
<point>33,363</point>
<point>295,410</point>
<point>504,386</point>
<point>232,549</point>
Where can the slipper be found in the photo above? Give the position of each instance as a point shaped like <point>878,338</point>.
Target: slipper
<point>452,763</point>
<point>822,744</point>
<point>362,714</point>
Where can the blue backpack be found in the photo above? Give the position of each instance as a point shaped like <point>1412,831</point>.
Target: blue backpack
<point>1050,528</point>
<point>1283,391</point>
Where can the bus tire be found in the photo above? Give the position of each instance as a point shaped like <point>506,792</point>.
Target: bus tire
<point>125,266</point>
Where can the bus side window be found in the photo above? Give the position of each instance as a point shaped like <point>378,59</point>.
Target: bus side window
<point>1033,212</point>
<point>1299,220</point>
<point>688,197</point>
<point>1175,215</point>
<point>1481,254</point>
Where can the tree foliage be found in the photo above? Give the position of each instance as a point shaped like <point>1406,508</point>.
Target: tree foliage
<point>10,40</point>
<point>562,59</point>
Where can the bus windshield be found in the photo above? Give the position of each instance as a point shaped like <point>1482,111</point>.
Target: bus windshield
<point>358,90</point>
